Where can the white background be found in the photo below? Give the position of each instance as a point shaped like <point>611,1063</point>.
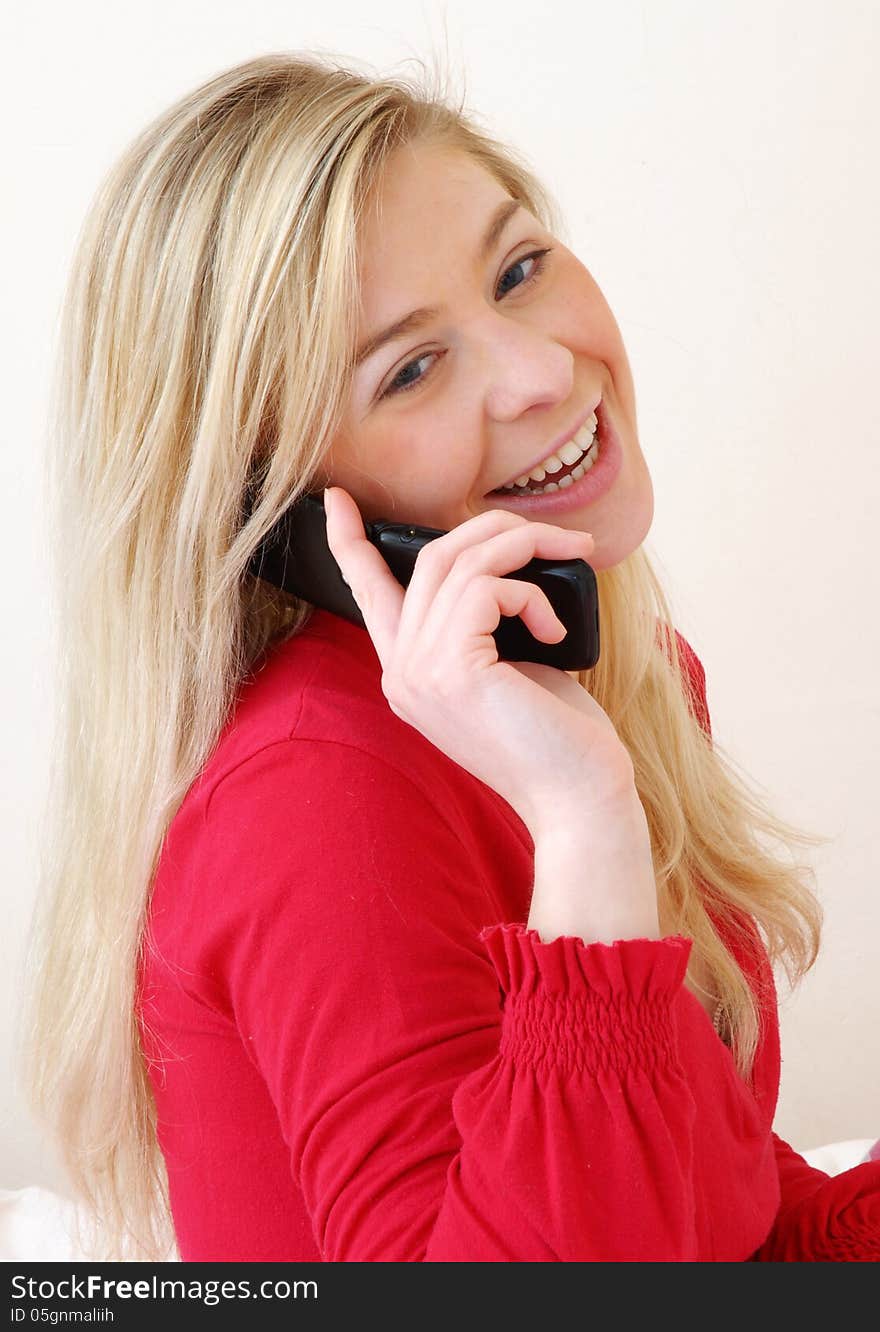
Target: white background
<point>717,166</point>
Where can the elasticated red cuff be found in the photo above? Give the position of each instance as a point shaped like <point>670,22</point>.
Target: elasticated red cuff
<point>583,1007</point>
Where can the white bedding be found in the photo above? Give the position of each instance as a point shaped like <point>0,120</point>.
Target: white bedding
<point>36,1225</point>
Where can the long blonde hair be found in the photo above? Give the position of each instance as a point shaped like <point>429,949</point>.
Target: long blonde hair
<point>205,344</point>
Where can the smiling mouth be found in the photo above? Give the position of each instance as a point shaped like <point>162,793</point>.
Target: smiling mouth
<point>563,461</point>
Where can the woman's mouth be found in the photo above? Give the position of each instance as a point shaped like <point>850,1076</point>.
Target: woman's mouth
<point>576,476</point>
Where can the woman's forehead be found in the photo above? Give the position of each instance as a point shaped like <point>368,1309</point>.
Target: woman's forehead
<point>425,184</point>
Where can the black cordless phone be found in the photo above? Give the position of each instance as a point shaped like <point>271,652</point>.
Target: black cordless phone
<point>295,556</point>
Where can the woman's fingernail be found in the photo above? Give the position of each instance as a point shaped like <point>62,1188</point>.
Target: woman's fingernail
<point>328,500</point>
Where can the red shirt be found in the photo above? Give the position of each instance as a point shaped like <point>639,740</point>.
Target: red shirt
<point>360,1053</point>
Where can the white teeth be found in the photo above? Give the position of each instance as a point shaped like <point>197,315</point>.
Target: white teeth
<point>575,475</point>
<point>577,447</point>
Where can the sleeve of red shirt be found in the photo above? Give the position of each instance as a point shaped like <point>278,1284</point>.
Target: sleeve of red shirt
<point>821,1217</point>
<point>450,1089</point>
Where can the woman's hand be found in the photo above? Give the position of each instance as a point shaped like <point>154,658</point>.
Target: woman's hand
<point>528,731</point>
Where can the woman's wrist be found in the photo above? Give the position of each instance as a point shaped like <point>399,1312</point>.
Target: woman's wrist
<point>594,875</point>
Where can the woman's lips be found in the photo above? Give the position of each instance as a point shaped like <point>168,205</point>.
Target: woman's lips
<point>590,487</point>
<point>559,444</point>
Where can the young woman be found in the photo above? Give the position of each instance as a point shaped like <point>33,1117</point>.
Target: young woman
<point>363,945</point>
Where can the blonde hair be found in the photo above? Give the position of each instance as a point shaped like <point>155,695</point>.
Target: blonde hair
<point>206,344</point>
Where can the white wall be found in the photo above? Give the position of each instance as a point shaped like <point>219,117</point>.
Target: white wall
<point>717,165</point>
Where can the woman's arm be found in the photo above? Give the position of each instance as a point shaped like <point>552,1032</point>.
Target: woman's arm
<point>451,1088</point>
<point>823,1218</point>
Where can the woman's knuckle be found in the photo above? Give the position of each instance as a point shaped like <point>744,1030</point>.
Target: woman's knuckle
<point>430,553</point>
<point>468,560</point>
<point>482,582</point>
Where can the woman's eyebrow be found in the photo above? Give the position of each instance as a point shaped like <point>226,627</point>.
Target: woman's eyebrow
<point>417,319</point>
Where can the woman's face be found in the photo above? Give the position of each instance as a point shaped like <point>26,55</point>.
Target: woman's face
<point>516,354</point>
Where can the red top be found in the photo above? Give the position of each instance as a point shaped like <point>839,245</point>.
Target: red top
<point>360,1053</point>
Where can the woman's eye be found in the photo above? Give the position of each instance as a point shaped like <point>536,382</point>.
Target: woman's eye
<point>401,384</point>
<point>538,256</point>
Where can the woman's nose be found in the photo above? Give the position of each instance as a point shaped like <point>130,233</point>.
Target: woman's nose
<point>523,367</point>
